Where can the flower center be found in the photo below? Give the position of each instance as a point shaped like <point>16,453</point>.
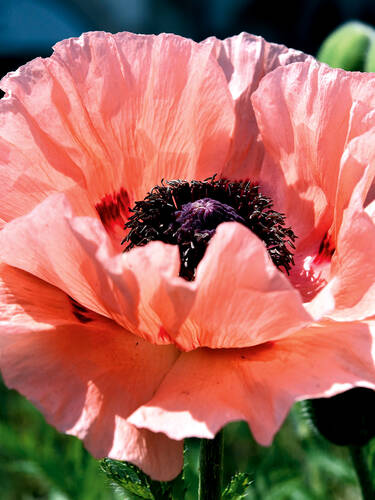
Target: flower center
<point>187,214</point>
<point>200,218</point>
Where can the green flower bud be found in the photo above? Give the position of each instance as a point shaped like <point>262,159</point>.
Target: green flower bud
<point>346,419</point>
<point>370,58</point>
<point>350,47</point>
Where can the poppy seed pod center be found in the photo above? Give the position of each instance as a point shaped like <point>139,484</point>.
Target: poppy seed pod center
<point>200,218</point>
<point>187,214</point>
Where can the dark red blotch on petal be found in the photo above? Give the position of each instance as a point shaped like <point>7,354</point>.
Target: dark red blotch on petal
<point>80,312</point>
<point>113,210</point>
<point>326,251</point>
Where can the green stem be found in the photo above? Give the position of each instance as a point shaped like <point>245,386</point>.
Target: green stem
<point>358,454</point>
<point>210,467</point>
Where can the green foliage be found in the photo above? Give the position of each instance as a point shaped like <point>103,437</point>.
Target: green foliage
<point>128,477</point>
<point>134,484</point>
<point>237,487</point>
<point>300,465</point>
<point>350,47</point>
<point>36,462</point>
<point>191,467</point>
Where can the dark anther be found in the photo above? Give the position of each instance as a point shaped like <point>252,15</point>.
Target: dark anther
<point>187,214</point>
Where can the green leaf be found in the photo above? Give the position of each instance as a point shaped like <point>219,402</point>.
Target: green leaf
<point>237,487</point>
<point>348,47</point>
<point>129,477</point>
<point>137,485</point>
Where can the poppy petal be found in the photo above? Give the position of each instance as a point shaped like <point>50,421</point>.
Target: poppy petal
<point>245,59</point>
<point>83,116</point>
<point>206,388</point>
<point>241,298</point>
<point>86,376</point>
<point>44,244</point>
<point>306,115</point>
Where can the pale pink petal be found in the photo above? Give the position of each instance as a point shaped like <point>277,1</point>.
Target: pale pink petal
<point>86,377</point>
<point>30,302</point>
<point>241,298</point>
<point>306,113</point>
<point>110,112</point>
<point>352,277</point>
<point>44,244</point>
<point>357,166</point>
<point>245,59</point>
<point>82,120</point>
<point>206,388</point>
<point>163,299</point>
<point>39,154</point>
<point>187,131</point>
<point>314,259</point>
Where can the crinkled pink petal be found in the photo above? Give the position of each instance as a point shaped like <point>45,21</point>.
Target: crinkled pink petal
<point>241,298</point>
<point>352,282</point>
<point>27,302</point>
<point>44,244</point>
<point>32,165</point>
<point>348,273</point>
<point>306,113</point>
<point>110,111</point>
<point>357,167</point>
<point>87,378</point>
<point>105,119</point>
<point>245,59</point>
<point>238,298</point>
<point>164,299</point>
<point>208,388</point>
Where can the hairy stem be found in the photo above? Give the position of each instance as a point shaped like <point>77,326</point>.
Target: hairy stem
<point>210,467</point>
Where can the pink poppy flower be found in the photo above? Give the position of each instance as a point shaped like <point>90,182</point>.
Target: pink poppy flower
<point>118,348</point>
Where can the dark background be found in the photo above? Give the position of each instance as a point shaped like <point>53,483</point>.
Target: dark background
<point>28,28</point>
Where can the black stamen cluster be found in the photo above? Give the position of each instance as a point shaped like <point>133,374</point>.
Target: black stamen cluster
<point>158,217</point>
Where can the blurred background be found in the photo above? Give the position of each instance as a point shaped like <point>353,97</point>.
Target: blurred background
<point>36,462</point>
<point>28,28</point>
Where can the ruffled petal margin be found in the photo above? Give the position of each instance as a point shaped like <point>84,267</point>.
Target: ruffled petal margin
<point>238,299</point>
<point>351,287</point>
<point>245,59</point>
<point>44,244</point>
<point>307,115</point>
<point>241,298</point>
<point>206,388</point>
<point>106,112</point>
<point>86,376</point>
